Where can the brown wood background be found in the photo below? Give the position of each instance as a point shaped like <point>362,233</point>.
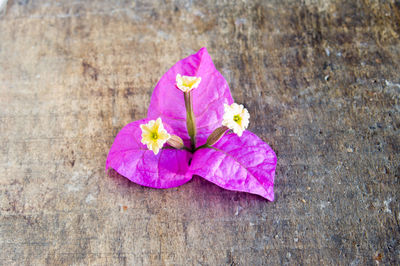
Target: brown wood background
<point>320,79</point>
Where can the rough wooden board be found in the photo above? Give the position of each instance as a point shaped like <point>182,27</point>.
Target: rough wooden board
<point>320,79</point>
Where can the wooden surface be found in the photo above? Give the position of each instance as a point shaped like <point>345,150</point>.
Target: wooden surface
<point>321,82</point>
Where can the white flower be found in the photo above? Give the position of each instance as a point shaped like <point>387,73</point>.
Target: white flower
<point>236,117</point>
<point>186,83</point>
<point>154,135</point>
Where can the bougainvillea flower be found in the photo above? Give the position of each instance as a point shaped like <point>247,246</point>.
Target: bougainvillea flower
<point>154,135</point>
<point>186,83</point>
<point>240,162</point>
<point>236,117</point>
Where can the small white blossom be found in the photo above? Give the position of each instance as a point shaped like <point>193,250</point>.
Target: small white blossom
<point>236,117</point>
<point>154,135</point>
<point>187,83</point>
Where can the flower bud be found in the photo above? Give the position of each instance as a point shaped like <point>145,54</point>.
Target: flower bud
<point>176,142</point>
<point>216,135</point>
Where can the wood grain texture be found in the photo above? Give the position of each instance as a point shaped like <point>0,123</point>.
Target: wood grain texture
<point>321,82</point>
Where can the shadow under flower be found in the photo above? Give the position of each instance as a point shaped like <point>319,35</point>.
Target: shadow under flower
<point>196,188</point>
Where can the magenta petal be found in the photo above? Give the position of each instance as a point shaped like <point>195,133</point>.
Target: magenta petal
<point>130,158</point>
<point>243,163</point>
<point>209,97</point>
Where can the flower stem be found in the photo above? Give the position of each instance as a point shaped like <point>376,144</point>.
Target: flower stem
<point>202,147</point>
<point>190,120</point>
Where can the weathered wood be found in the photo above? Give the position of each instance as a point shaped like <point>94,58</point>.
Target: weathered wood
<point>321,82</point>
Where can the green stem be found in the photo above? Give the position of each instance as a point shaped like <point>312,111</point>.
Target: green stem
<point>172,148</point>
<point>202,147</point>
<point>190,120</point>
<point>186,148</point>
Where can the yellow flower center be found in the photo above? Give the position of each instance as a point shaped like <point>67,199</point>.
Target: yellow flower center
<point>154,135</point>
<point>189,83</point>
<point>237,119</point>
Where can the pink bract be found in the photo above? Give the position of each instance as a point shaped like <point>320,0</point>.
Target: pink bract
<point>168,102</point>
<point>243,163</point>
